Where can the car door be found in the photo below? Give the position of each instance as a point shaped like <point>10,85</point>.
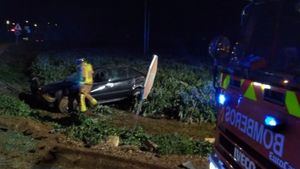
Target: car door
<point>120,83</point>
<point>101,89</point>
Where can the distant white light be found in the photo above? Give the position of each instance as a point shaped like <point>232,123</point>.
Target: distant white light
<point>7,22</point>
<point>48,23</point>
<point>13,23</point>
<point>27,21</point>
<point>286,81</point>
<point>35,25</point>
<point>56,24</point>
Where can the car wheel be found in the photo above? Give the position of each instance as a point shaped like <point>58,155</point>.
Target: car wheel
<point>63,105</point>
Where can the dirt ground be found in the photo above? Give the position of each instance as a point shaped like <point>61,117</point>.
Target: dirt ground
<point>30,144</point>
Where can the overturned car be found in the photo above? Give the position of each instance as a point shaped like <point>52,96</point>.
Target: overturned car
<point>110,85</point>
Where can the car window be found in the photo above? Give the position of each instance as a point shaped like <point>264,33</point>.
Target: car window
<point>101,76</point>
<point>133,73</point>
<point>118,74</point>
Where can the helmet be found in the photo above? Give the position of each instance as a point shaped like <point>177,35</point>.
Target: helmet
<point>81,60</point>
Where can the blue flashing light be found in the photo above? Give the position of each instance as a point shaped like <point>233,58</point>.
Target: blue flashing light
<point>271,121</point>
<point>222,99</point>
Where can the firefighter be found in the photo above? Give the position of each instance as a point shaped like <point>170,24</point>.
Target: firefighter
<point>85,71</point>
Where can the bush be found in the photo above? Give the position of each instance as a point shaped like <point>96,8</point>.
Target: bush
<point>102,110</point>
<point>92,132</point>
<point>196,104</point>
<point>135,136</point>
<point>12,106</point>
<point>183,92</point>
<point>176,144</point>
<point>52,69</point>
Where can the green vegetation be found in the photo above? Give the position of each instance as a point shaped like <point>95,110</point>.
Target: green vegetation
<point>10,105</point>
<point>103,110</point>
<point>11,74</point>
<point>176,144</point>
<point>180,91</point>
<point>16,142</point>
<point>93,132</point>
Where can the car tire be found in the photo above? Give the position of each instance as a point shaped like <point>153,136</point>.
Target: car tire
<point>63,105</point>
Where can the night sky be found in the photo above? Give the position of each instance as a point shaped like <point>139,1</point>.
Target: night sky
<point>173,22</point>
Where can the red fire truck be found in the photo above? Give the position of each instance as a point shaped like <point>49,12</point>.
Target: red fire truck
<point>257,80</point>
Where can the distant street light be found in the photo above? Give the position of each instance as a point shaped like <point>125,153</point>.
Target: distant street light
<point>48,23</point>
<point>13,23</point>
<point>27,21</point>
<point>35,25</point>
<point>56,24</point>
<point>7,22</point>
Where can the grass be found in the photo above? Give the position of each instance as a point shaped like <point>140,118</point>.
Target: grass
<point>9,105</point>
<point>16,142</point>
<point>176,144</point>
<point>95,131</point>
<point>11,75</point>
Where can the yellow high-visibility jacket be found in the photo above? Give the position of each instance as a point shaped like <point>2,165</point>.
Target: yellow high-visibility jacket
<point>87,73</point>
